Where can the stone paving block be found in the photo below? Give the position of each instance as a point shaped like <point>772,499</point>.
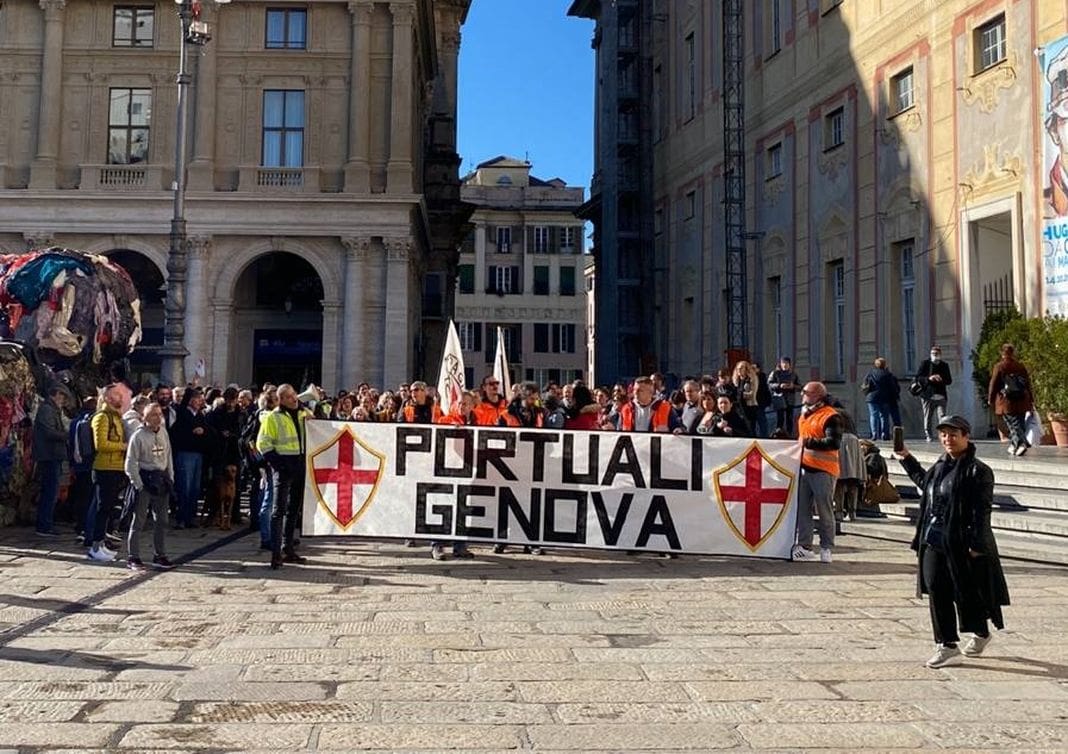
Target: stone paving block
<point>320,673</point>
<point>419,640</point>
<point>288,736</point>
<point>12,670</point>
<point>997,736</point>
<point>38,712</point>
<point>1005,711</point>
<point>708,671</point>
<point>326,711</point>
<point>556,671</point>
<point>505,655</point>
<point>276,641</point>
<point>133,712</point>
<point>350,738</point>
<point>633,737</point>
<point>874,671</point>
<point>55,734</point>
<point>440,673</point>
<point>836,711</point>
<point>87,690</point>
<point>487,626</point>
<point>295,656</point>
<point>639,655</point>
<point>274,692</point>
<point>555,692</point>
<point>692,627</point>
<point>353,628</point>
<point>1001,689</point>
<point>209,674</point>
<point>712,691</point>
<point>399,691</point>
<point>540,641</point>
<point>903,690</point>
<point>850,736</point>
<point>509,713</point>
<point>657,712</point>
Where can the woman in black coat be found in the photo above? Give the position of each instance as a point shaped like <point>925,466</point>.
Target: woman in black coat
<point>959,566</point>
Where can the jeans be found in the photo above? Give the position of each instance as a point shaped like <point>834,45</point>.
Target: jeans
<point>934,411</point>
<point>157,505</point>
<point>784,419</point>
<point>46,506</point>
<point>80,497</point>
<point>816,489</point>
<point>110,486</point>
<point>265,489</point>
<point>875,421</point>
<point>940,597</point>
<point>1016,424</point>
<point>762,421</point>
<point>188,468</point>
<point>288,482</point>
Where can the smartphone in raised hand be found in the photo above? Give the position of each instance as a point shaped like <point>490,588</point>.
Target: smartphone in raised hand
<point>899,439</point>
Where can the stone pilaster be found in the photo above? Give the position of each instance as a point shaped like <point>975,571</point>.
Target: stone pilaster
<point>331,338</point>
<point>354,331</point>
<point>201,170</point>
<point>357,167</point>
<point>222,322</point>
<point>397,342</point>
<point>43,168</point>
<point>399,169</point>
<point>197,302</point>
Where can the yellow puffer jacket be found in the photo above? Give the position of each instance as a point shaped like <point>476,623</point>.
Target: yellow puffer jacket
<point>109,440</point>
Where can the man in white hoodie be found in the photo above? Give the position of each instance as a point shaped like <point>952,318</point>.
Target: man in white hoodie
<point>151,472</point>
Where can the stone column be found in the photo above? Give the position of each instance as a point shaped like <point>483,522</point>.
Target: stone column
<point>221,370</point>
<point>331,332</point>
<point>399,169</point>
<point>354,329</point>
<point>201,171</point>
<point>357,168</point>
<point>397,341</point>
<point>197,301</point>
<point>43,168</point>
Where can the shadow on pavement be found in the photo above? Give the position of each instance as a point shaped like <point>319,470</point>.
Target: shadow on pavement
<point>85,660</point>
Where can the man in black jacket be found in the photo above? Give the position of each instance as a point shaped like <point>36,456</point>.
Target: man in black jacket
<point>934,377</point>
<point>49,453</point>
<point>192,440</point>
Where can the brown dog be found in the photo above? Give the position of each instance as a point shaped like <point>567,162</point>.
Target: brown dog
<point>225,494</point>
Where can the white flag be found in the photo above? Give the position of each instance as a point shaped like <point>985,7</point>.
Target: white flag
<point>500,366</point>
<point>451,377</point>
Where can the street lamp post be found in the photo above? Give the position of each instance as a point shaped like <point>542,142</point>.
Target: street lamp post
<point>172,368</point>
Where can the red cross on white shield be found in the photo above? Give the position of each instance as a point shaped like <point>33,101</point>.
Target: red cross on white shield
<point>753,492</point>
<point>346,473</point>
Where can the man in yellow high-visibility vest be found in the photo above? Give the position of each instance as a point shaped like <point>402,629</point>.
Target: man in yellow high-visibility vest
<point>281,441</point>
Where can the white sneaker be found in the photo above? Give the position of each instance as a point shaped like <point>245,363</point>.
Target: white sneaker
<point>101,554</point>
<point>945,656</point>
<point>108,551</point>
<point>437,552</point>
<point>975,645</point>
<point>825,555</point>
<point>802,554</point>
<point>1011,450</point>
<point>1021,449</point>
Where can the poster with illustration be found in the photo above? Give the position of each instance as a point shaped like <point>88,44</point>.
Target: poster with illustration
<point>1054,61</point>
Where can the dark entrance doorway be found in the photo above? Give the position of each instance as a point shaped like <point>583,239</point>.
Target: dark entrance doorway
<point>148,279</point>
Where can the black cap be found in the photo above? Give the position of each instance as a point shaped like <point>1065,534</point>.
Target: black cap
<point>956,422</point>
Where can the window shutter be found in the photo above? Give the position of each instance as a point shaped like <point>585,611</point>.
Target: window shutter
<point>491,342</point>
<point>491,278</point>
<point>571,338</point>
<point>541,337</point>
<point>556,339</point>
<point>517,345</point>
<point>517,279</point>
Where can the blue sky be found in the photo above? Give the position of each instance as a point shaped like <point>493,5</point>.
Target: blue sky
<point>526,87</point>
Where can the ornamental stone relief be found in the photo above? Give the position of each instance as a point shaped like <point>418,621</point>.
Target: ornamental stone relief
<point>997,172</point>
<point>773,189</point>
<point>985,89</point>
<point>832,162</point>
<point>895,129</point>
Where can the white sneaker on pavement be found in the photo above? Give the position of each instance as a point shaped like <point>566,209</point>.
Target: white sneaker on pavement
<point>975,645</point>
<point>101,555</point>
<point>437,552</point>
<point>803,554</point>
<point>825,555</point>
<point>944,656</point>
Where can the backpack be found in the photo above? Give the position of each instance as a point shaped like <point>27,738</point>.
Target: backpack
<point>84,450</point>
<point>1014,387</point>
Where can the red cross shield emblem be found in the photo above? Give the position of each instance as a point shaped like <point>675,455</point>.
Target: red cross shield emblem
<point>753,492</point>
<point>345,474</point>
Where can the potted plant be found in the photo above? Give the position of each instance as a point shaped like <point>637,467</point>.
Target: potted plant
<point>1046,359</point>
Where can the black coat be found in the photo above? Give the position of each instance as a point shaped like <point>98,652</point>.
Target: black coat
<point>935,389</point>
<point>967,527</point>
<point>885,388</point>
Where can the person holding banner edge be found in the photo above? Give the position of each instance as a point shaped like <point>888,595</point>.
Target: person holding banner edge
<point>819,431</point>
<point>281,441</point>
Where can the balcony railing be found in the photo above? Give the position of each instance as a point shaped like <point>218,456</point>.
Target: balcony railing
<point>122,177</point>
<point>303,180</point>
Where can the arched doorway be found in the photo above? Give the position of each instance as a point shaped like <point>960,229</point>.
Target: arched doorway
<point>278,317</point>
<point>149,281</point>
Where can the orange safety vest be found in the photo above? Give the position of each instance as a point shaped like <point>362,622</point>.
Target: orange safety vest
<point>488,414</point>
<point>409,413</point>
<point>659,420</point>
<point>813,427</point>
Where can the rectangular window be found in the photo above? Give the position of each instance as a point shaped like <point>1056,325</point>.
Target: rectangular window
<point>901,91</point>
<point>658,103</point>
<point>563,338</point>
<point>838,299</point>
<point>689,208</point>
<point>541,239</point>
<point>128,121</point>
<point>990,43</point>
<point>504,240</point>
<point>287,29</point>
<point>834,129</point>
<point>470,335</point>
<point>541,337</point>
<point>568,234</point>
<point>775,307</point>
<point>466,278</point>
<point>775,32</point>
<point>503,279</point>
<point>567,280</point>
<point>907,276</point>
<point>691,77</point>
<point>541,280</point>
<point>133,26</point>
<point>774,160</point>
<point>283,128</point>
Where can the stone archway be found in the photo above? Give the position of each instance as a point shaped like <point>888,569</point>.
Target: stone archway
<point>276,332</point>
<point>149,280</point>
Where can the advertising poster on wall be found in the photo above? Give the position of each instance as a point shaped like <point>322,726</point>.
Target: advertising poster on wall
<point>1054,61</point>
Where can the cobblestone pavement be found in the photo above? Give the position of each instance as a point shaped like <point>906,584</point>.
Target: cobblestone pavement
<point>372,646</point>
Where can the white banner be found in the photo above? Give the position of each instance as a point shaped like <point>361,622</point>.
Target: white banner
<point>605,490</point>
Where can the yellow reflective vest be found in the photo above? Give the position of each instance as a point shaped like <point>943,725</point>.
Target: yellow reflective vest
<point>278,433</point>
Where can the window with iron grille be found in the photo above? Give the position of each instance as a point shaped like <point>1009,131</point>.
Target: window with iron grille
<point>990,43</point>
<point>133,26</point>
<point>128,122</point>
<point>287,29</point>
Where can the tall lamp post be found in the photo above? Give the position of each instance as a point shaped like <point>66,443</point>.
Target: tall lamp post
<point>172,368</point>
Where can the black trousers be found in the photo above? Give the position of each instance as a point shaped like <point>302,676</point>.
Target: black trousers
<point>942,601</point>
<point>1016,424</point>
<point>288,496</point>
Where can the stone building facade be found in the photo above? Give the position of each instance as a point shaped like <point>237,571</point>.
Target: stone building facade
<point>323,181</point>
<point>895,179</point>
<point>522,268</point>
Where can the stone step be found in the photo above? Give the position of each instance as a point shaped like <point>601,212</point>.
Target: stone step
<point>1011,545</point>
<point>1050,473</point>
<point>1005,495</point>
<point>1050,524</point>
